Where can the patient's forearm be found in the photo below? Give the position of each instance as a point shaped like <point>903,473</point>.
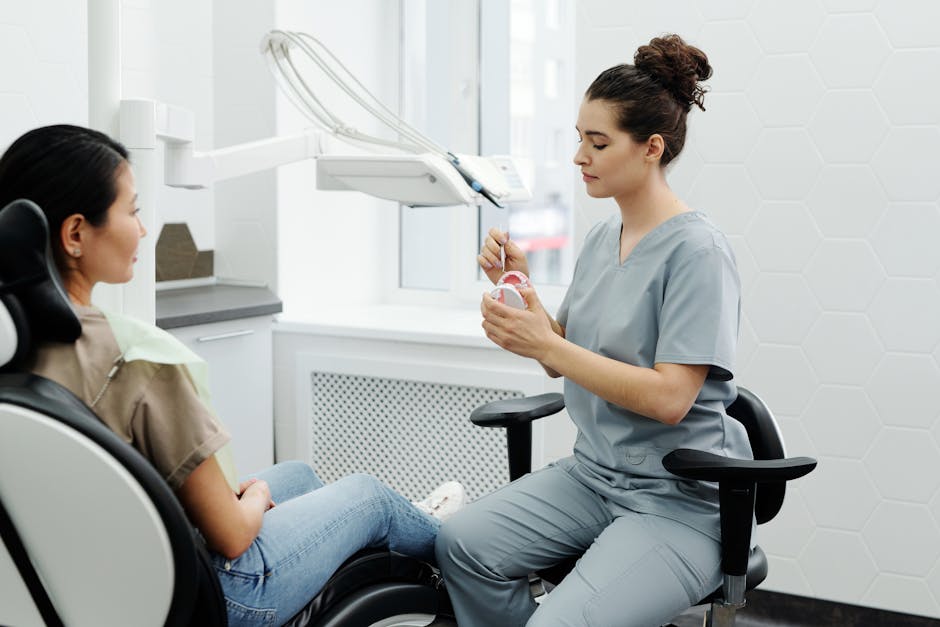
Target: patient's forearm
<point>228,523</point>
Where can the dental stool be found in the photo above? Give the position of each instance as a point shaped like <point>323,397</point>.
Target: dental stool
<point>748,489</point>
<point>91,533</point>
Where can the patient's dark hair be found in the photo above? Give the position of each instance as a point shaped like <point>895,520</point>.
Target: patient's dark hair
<point>65,170</point>
<point>656,93</point>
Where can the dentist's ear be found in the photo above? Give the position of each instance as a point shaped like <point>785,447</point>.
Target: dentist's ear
<point>655,146</point>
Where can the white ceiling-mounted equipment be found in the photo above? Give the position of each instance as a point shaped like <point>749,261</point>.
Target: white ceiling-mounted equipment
<point>410,169</point>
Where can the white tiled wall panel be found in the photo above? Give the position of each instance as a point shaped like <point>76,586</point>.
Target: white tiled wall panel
<point>819,155</point>
<point>44,73</point>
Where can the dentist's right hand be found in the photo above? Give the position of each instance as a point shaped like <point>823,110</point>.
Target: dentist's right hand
<point>489,257</point>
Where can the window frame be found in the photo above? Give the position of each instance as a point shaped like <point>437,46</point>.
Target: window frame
<point>467,98</point>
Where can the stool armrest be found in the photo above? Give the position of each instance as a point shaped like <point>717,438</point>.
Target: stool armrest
<point>693,464</point>
<point>514,411</point>
<point>738,481</point>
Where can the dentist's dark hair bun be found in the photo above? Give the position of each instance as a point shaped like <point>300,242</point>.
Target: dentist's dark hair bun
<point>677,66</point>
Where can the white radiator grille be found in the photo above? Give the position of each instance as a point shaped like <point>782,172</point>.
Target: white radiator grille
<point>413,435</point>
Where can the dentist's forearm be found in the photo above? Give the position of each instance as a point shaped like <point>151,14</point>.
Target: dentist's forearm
<point>560,332</point>
<point>664,393</point>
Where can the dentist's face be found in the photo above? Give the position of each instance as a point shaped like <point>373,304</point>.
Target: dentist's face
<point>612,163</point>
<point>110,250</point>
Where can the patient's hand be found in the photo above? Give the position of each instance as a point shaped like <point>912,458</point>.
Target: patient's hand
<point>255,485</point>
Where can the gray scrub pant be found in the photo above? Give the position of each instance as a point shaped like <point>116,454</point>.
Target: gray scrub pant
<point>638,569</point>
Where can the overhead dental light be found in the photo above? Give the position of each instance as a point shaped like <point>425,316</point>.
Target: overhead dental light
<point>409,168</point>
<point>419,172</point>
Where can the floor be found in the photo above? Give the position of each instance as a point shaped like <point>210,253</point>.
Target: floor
<point>773,609</point>
<point>696,616</point>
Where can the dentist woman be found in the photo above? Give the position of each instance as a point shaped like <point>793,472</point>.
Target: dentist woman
<point>275,538</point>
<point>645,339</point>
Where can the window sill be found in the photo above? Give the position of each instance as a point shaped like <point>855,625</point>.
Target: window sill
<point>450,326</point>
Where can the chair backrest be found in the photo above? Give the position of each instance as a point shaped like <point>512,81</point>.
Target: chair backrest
<point>91,533</point>
<point>766,443</point>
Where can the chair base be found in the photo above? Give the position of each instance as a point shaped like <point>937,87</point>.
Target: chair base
<point>377,587</point>
<point>721,614</point>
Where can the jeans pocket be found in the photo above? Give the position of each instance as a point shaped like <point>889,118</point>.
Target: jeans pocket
<point>242,615</point>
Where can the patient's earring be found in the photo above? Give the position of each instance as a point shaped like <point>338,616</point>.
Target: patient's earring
<point>76,252</point>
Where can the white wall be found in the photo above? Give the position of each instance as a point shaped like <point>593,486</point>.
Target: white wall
<point>244,110</point>
<point>819,155</point>
<point>43,66</point>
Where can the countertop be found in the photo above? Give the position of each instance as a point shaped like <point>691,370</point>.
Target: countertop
<point>188,306</point>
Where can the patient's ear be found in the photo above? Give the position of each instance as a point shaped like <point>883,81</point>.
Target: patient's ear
<point>71,235</point>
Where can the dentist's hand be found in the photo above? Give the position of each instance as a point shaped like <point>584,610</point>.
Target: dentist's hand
<point>525,332</point>
<point>489,257</point>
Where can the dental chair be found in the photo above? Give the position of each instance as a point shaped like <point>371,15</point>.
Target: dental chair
<point>748,489</point>
<point>91,533</point>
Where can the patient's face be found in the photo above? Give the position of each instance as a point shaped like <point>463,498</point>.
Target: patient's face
<point>111,250</point>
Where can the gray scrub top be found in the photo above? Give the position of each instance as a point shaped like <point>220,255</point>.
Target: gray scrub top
<point>676,299</point>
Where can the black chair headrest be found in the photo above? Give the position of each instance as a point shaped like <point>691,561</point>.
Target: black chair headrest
<point>33,304</point>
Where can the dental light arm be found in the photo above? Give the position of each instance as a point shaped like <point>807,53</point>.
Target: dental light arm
<point>488,179</point>
<point>412,169</point>
<point>193,170</point>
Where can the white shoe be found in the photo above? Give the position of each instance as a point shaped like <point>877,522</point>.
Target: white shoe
<point>444,500</point>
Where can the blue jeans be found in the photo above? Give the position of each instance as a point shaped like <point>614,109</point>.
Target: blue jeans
<point>312,530</point>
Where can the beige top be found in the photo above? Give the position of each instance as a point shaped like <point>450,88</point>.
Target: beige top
<point>153,407</point>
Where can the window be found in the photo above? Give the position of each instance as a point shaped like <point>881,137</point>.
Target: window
<point>502,73</point>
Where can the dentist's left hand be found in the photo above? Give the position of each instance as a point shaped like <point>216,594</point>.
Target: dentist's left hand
<point>525,332</point>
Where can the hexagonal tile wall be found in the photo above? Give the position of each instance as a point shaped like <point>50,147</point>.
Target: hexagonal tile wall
<point>842,422</point>
<point>846,201</point>
<point>850,50</point>
<point>857,500</point>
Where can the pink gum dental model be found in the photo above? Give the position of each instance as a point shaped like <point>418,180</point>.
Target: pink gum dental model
<point>507,289</point>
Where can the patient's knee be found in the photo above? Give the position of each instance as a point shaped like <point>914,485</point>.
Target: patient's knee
<point>301,472</point>
<point>362,483</point>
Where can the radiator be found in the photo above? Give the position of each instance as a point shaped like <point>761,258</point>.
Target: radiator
<point>412,433</point>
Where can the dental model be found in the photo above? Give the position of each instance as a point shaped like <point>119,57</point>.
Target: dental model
<point>507,289</point>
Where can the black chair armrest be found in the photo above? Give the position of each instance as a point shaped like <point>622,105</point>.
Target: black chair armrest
<point>693,464</point>
<point>738,481</point>
<point>514,411</point>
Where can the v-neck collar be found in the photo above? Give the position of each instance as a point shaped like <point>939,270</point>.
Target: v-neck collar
<point>657,233</point>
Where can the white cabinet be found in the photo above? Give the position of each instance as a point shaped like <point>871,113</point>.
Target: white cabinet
<point>239,354</point>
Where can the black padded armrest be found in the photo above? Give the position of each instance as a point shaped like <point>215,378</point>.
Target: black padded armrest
<point>692,464</point>
<point>738,481</point>
<point>515,411</point>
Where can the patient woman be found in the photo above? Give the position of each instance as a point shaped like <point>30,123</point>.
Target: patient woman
<point>276,538</point>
